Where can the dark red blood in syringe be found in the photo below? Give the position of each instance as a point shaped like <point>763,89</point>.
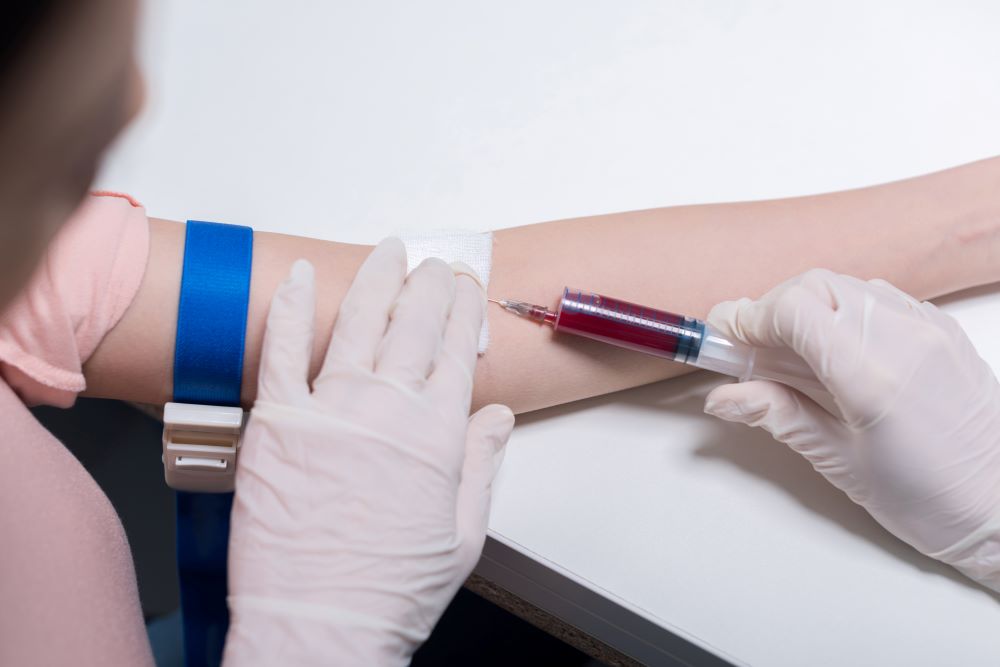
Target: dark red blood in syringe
<point>629,325</point>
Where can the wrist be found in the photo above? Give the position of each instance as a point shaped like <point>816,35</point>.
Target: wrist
<point>965,226</point>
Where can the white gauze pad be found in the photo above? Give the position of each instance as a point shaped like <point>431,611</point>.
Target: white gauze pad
<point>475,249</point>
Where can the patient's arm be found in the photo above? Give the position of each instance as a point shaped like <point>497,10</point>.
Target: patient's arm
<point>929,235</point>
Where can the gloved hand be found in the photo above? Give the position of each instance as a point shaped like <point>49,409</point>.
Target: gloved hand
<point>361,503</point>
<point>918,444</point>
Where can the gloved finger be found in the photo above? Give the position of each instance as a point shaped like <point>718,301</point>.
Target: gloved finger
<point>364,313</point>
<point>288,337</point>
<point>789,316</point>
<point>861,343</point>
<point>485,440</point>
<point>451,380</point>
<point>746,320</point>
<point>956,339</point>
<point>790,417</point>
<point>416,324</point>
<point>957,343</point>
<point>819,314</point>
<point>894,295</point>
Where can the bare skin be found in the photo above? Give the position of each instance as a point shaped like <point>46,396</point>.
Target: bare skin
<point>929,235</point>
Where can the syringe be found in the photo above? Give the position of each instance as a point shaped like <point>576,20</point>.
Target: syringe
<point>674,337</point>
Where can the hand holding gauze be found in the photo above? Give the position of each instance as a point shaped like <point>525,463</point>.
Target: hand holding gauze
<point>361,502</point>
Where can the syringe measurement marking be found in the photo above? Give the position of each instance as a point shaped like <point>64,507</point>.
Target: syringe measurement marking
<point>645,322</point>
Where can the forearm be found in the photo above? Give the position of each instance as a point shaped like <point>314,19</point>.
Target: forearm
<point>930,236</point>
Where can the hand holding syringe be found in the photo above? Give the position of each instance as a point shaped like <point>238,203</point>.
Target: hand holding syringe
<point>662,334</point>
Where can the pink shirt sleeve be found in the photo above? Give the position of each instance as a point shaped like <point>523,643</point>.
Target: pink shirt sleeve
<point>88,277</point>
<point>66,576</point>
<point>67,583</point>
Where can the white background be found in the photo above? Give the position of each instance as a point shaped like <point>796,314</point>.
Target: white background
<point>351,121</point>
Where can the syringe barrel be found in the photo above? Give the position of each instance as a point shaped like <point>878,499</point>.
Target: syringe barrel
<point>629,325</point>
<point>722,355</point>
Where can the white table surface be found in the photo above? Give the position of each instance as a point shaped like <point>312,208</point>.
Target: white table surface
<point>350,121</point>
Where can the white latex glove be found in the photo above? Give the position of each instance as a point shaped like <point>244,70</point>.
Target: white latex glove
<point>919,442</point>
<point>361,503</point>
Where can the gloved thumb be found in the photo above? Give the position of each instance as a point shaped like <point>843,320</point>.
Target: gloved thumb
<point>288,338</point>
<point>487,435</point>
<point>791,417</point>
<point>797,315</point>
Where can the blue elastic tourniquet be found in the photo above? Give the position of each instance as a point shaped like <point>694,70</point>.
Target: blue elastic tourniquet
<point>208,368</point>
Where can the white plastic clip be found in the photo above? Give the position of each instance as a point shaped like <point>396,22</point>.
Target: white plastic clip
<point>200,444</point>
